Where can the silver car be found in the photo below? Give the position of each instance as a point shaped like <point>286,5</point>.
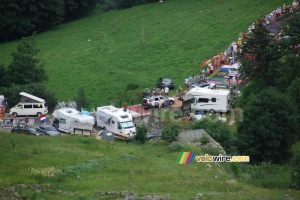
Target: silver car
<point>48,130</point>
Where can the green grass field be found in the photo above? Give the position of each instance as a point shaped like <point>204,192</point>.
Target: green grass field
<point>103,53</point>
<point>72,167</point>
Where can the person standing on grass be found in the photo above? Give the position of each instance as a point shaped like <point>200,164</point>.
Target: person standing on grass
<point>166,90</point>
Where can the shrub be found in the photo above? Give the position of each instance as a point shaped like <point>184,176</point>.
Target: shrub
<point>204,140</point>
<point>170,132</point>
<point>175,146</point>
<point>217,130</point>
<point>236,169</point>
<point>141,133</point>
<point>268,175</point>
<point>295,171</point>
<point>132,86</point>
<point>210,150</point>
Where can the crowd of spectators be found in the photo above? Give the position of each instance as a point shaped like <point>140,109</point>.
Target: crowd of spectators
<point>229,55</point>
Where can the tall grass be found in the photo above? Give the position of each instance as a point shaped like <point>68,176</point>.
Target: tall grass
<point>104,54</point>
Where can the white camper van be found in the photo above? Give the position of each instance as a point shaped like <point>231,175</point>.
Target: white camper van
<point>70,120</point>
<point>115,120</point>
<point>210,100</point>
<point>29,105</point>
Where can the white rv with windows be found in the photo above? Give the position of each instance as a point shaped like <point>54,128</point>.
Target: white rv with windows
<point>29,105</point>
<point>70,120</point>
<point>115,120</point>
<point>210,100</point>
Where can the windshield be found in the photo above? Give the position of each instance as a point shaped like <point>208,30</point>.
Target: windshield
<point>128,124</point>
<point>50,128</point>
<point>31,129</point>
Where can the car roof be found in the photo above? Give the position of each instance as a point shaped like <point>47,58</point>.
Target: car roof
<point>166,78</point>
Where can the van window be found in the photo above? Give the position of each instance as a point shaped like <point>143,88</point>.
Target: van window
<point>112,121</point>
<point>37,105</point>
<point>62,121</point>
<point>45,105</point>
<point>203,100</point>
<point>213,99</point>
<point>193,100</point>
<point>27,105</point>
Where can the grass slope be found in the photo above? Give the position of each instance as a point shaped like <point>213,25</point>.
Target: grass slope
<point>178,35</point>
<point>88,167</point>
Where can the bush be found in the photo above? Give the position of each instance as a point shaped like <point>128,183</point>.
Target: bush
<point>141,133</point>
<point>204,140</point>
<point>210,150</point>
<point>268,175</point>
<point>175,146</point>
<point>170,132</point>
<point>236,169</point>
<point>217,130</point>
<point>132,86</point>
<point>295,171</point>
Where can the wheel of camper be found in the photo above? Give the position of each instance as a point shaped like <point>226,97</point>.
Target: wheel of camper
<point>14,114</point>
<point>39,114</point>
<point>211,111</point>
<point>171,102</point>
<point>104,128</point>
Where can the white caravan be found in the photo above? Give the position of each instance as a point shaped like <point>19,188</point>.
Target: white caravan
<point>210,100</point>
<point>115,120</point>
<point>70,120</point>
<point>29,105</point>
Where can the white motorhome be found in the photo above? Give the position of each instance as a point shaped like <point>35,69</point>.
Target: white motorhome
<point>70,120</point>
<point>29,105</point>
<point>210,100</point>
<point>115,120</point>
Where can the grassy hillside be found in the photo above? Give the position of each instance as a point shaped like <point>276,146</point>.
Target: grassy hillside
<point>71,167</point>
<point>103,53</point>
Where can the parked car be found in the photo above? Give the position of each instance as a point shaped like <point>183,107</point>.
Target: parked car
<point>211,86</point>
<point>25,130</point>
<point>234,70</point>
<point>48,130</point>
<point>163,82</point>
<point>155,101</point>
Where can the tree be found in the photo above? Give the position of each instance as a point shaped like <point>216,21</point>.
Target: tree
<point>288,46</point>
<point>293,91</point>
<point>21,18</point>
<point>25,68</point>
<point>4,77</point>
<point>81,100</point>
<point>170,132</point>
<point>141,133</point>
<point>258,43</point>
<point>269,127</point>
<point>75,9</point>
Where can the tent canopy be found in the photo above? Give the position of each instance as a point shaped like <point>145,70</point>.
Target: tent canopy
<point>106,135</point>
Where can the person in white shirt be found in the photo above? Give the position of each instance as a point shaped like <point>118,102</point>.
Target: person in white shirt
<point>166,90</point>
